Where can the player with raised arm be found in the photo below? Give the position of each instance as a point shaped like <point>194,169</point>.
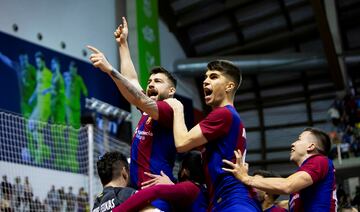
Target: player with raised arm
<point>26,74</point>
<point>152,148</point>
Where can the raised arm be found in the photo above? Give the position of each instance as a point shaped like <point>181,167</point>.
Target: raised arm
<point>276,185</point>
<point>127,68</point>
<point>7,61</point>
<point>131,93</point>
<point>184,140</point>
<point>184,194</point>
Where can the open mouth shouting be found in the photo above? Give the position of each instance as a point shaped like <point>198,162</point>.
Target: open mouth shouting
<point>207,94</point>
<point>152,93</point>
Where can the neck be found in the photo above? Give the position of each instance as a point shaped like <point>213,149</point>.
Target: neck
<point>116,183</point>
<point>223,103</point>
<point>298,163</point>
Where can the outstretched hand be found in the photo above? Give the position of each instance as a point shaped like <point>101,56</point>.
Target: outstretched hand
<point>239,169</point>
<point>175,104</point>
<point>156,180</point>
<point>99,60</point>
<point>121,33</point>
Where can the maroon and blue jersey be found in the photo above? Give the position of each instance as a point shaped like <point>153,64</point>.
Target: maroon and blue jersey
<point>153,149</point>
<point>321,195</point>
<point>225,133</point>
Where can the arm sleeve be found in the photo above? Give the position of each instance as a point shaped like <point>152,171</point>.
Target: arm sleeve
<point>216,124</point>
<point>166,114</point>
<point>182,193</point>
<point>317,167</point>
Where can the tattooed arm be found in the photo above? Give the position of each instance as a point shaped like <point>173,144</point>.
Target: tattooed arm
<point>134,95</point>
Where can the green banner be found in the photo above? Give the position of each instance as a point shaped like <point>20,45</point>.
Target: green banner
<point>148,37</point>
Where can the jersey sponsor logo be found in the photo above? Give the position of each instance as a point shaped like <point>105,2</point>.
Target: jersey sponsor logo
<point>106,206</point>
<point>139,134</point>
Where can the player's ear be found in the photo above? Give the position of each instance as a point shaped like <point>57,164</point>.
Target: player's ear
<point>311,147</point>
<point>124,174</point>
<point>230,87</point>
<point>172,91</point>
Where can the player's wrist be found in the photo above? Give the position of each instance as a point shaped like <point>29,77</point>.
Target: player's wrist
<point>112,70</point>
<point>248,180</point>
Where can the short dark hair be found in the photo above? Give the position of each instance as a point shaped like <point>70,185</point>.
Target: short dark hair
<point>159,69</point>
<point>109,166</point>
<point>228,68</point>
<point>322,138</point>
<point>193,163</point>
<point>39,55</point>
<point>265,174</point>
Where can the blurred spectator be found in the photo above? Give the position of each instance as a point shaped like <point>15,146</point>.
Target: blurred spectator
<point>82,200</point>
<point>343,198</point>
<point>356,201</point>
<point>5,203</point>
<point>334,115</point>
<point>70,200</point>
<point>6,187</point>
<point>18,193</point>
<point>61,192</point>
<point>37,205</point>
<point>28,192</point>
<point>345,117</point>
<point>46,205</point>
<point>54,199</point>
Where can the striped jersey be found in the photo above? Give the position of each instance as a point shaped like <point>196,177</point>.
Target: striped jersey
<point>153,149</point>
<point>225,133</point>
<point>321,195</point>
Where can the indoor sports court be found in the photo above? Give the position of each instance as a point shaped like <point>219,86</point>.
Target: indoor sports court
<point>180,105</point>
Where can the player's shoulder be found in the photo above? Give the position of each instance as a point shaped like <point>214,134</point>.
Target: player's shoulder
<point>319,158</point>
<point>221,111</point>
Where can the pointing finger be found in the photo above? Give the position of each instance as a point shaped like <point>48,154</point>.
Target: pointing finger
<point>124,22</point>
<point>93,49</point>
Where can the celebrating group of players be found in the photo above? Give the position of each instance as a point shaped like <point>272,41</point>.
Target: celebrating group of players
<point>215,178</point>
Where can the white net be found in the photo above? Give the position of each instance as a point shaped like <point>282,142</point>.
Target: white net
<point>45,167</point>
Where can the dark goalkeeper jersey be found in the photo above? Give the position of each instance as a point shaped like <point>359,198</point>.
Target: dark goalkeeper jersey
<point>111,197</point>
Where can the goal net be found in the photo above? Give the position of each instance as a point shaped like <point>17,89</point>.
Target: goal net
<point>50,167</point>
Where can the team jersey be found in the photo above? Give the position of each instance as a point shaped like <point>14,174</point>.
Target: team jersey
<point>184,196</point>
<point>43,105</point>
<point>225,133</point>
<point>321,195</point>
<point>111,197</point>
<point>275,208</point>
<point>153,149</point>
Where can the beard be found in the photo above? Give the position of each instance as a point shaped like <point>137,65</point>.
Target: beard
<point>162,97</point>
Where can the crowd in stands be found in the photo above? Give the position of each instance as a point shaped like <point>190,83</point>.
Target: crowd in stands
<point>345,201</point>
<point>345,117</point>
<point>19,196</point>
